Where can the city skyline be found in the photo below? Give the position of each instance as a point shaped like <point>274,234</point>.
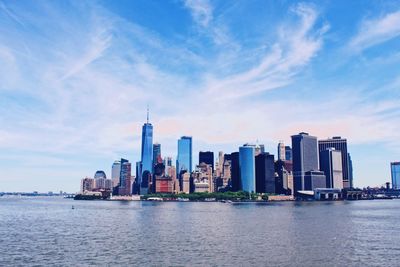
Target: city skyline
<point>76,77</point>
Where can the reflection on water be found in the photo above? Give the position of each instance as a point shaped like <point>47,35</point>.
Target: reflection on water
<point>48,231</point>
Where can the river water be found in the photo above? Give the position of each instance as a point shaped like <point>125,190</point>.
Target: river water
<point>47,231</point>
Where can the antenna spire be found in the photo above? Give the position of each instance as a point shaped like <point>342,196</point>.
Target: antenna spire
<point>147,113</point>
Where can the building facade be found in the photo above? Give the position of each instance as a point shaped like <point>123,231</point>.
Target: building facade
<point>395,172</point>
<point>146,157</point>
<point>305,158</point>
<point>247,168</point>
<point>339,144</point>
<point>265,173</point>
<point>281,151</point>
<point>156,153</point>
<point>125,178</point>
<point>330,162</point>
<point>236,183</point>
<point>207,157</point>
<point>288,153</point>
<point>115,172</point>
<point>313,180</point>
<point>184,158</point>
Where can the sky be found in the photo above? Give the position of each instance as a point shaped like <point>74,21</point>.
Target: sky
<point>76,77</point>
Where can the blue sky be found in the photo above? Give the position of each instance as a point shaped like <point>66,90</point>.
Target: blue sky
<point>75,79</point>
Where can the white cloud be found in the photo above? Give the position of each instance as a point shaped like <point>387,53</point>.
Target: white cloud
<point>376,31</point>
<point>201,11</point>
<point>293,50</point>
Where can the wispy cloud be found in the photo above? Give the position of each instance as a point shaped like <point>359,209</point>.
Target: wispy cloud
<point>375,31</point>
<point>295,47</point>
<point>201,10</point>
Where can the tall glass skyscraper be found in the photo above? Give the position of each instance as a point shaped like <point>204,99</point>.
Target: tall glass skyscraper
<point>395,171</point>
<point>305,158</point>
<point>184,159</point>
<point>247,168</point>
<point>147,156</point>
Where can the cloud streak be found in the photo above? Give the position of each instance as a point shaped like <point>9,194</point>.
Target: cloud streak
<point>376,31</point>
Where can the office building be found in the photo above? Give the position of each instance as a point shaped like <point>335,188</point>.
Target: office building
<point>281,151</point>
<point>313,180</point>
<point>100,174</point>
<point>125,178</point>
<point>350,170</point>
<point>330,162</point>
<point>265,173</point>
<point>115,172</point>
<point>156,153</point>
<point>185,183</point>
<point>247,167</point>
<point>235,172</point>
<point>395,172</point>
<point>284,177</point>
<point>288,153</point>
<point>184,158</point>
<point>87,184</point>
<point>226,171</point>
<point>207,158</point>
<point>305,158</point>
<point>146,156</point>
<point>203,173</point>
<point>258,149</point>
<point>340,144</point>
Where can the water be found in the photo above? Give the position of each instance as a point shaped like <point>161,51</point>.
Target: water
<point>47,231</point>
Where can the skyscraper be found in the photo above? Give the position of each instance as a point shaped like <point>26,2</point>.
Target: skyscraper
<point>330,162</point>
<point>305,158</point>
<point>235,172</point>
<point>288,153</point>
<point>125,178</point>
<point>147,156</point>
<point>339,144</point>
<point>115,172</point>
<point>247,168</point>
<point>395,171</point>
<point>207,158</point>
<point>100,174</point>
<point>156,154</point>
<point>265,173</point>
<point>184,159</point>
<point>281,151</point>
<point>350,170</point>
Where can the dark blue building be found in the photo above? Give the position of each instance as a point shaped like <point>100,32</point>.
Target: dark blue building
<point>305,158</point>
<point>265,173</point>
<point>207,157</point>
<point>147,156</point>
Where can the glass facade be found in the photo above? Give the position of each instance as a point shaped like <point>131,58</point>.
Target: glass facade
<point>305,158</point>
<point>395,171</point>
<point>125,169</point>
<point>247,168</point>
<point>147,156</point>
<point>184,159</point>
<point>156,154</point>
<point>288,153</point>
